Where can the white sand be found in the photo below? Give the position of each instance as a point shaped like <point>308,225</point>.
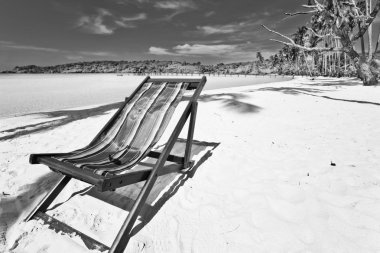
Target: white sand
<point>267,187</point>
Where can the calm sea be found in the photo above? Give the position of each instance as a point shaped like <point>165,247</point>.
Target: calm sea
<point>30,93</point>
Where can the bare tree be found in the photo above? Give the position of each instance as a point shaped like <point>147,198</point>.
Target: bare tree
<point>343,20</point>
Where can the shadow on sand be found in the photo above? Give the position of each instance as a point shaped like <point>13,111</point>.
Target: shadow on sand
<point>290,90</point>
<point>11,208</point>
<point>336,82</point>
<point>165,187</point>
<point>229,100</point>
<point>313,92</point>
<point>68,116</point>
<point>232,101</point>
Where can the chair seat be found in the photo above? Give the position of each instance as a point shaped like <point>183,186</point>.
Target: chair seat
<point>104,163</point>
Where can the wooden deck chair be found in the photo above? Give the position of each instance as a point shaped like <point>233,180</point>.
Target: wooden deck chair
<point>108,161</point>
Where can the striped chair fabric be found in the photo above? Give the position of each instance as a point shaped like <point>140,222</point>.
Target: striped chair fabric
<point>135,130</point>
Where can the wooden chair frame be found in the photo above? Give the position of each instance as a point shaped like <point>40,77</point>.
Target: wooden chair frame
<point>105,183</point>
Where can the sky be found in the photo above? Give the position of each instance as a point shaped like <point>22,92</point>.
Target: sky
<point>50,32</point>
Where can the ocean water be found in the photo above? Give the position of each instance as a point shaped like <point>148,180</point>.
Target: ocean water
<point>31,93</point>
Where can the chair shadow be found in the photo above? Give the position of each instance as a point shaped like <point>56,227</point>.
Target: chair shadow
<point>12,208</point>
<point>125,197</point>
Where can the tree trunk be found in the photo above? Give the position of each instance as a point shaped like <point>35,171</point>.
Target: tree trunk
<point>377,44</point>
<point>369,31</point>
<point>362,43</point>
<point>345,66</point>
<point>339,66</point>
<point>368,71</point>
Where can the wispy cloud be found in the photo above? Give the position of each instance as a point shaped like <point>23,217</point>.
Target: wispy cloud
<point>74,57</point>
<point>3,42</point>
<point>125,2</point>
<point>209,14</point>
<point>160,51</point>
<point>68,54</point>
<point>221,29</point>
<point>10,44</point>
<point>105,23</point>
<point>194,50</point>
<point>228,52</point>
<point>97,53</point>
<point>247,25</point>
<point>200,49</point>
<point>127,22</point>
<point>176,6</point>
<point>246,30</point>
<point>140,16</point>
<point>95,23</point>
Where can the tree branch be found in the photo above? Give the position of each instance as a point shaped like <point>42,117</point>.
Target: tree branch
<point>291,43</point>
<point>272,31</point>
<point>317,6</point>
<point>368,22</point>
<point>322,36</point>
<point>309,49</point>
<point>300,13</point>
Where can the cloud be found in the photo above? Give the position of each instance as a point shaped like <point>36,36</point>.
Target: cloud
<point>140,16</point>
<point>218,29</point>
<point>175,5</point>
<point>105,23</point>
<point>245,30</point>
<point>127,22</point>
<point>221,52</point>
<point>74,57</point>
<point>209,14</point>
<point>179,6</point>
<point>194,50</point>
<point>10,44</point>
<point>2,42</point>
<point>97,53</point>
<point>125,2</point>
<point>243,26</point>
<point>95,23</point>
<point>201,49</point>
<point>160,51</point>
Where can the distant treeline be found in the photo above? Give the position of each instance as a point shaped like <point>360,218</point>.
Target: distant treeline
<point>150,66</point>
<point>273,65</point>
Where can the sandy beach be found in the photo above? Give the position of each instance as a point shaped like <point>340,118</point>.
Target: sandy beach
<point>288,166</point>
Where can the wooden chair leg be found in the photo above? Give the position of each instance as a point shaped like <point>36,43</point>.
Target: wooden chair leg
<point>123,236</point>
<point>190,134</point>
<point>50,197</point>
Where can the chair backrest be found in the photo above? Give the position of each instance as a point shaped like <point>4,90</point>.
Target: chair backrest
<point>142,121</point>
<point>134,130</point>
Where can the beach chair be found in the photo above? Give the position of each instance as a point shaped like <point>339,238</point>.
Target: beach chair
<point>108,161</point>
